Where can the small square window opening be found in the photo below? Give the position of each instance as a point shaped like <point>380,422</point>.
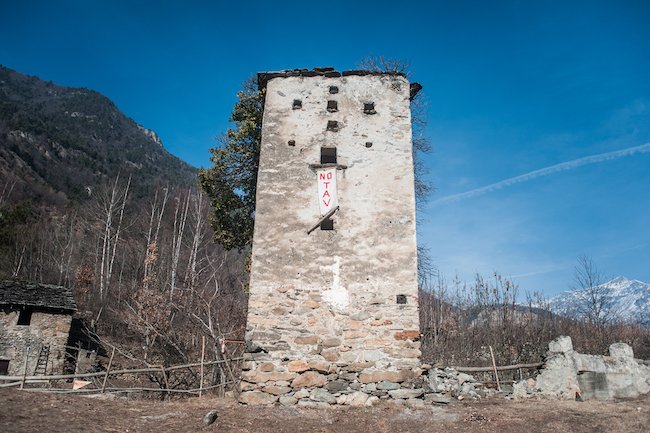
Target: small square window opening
<point>369,108</point>
<point>4,367</point>
<point>334,90</point>
<point>369,144</point>
<point>332,125</point>
<point>332,106</point>
<point>327,224</point>
<point>297,104</point>
<point>328,155</point>
<point>401,299</point>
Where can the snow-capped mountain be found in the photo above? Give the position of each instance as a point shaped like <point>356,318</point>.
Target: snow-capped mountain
<point>624,300</point>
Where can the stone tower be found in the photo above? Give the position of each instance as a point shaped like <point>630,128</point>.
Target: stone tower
<point>333,289</point>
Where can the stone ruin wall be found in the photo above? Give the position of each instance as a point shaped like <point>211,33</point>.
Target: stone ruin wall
<point>570,375</point>
<point>334,311</point>
<point>45,328</point>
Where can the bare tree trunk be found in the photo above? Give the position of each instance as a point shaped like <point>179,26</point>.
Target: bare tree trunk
<point>177,238</point>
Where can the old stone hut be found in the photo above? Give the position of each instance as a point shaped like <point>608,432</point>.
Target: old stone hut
<point>34,322</point>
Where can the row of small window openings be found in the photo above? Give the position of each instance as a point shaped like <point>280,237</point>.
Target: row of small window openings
<point>292,143</point>
<point>332,106</point>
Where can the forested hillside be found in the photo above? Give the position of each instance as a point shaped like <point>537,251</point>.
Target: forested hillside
<point>59,144</point>
<point>91,200</point>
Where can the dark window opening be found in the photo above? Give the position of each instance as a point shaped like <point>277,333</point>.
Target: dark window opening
<point>332,125</point>
<point>25,317</point>
<point>327,224</point>
<point>332,106</point>
<point>328,155</point>
<point>88,354</point>
<point>292,142</point>
<point>401,299</point>
<point>368,144</point>
<point>369,108</point>
<point>297,104</point>
<point>334,90</point>
<point>4,367</point>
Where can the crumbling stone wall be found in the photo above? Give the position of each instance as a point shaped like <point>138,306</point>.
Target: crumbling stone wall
<point>45,328</point>
<point>335,309</point>
<point>568,374</point>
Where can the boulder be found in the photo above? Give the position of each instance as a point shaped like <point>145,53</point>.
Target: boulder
<point>621,350</point>
<point>210,417</point>
<point>562,344</point>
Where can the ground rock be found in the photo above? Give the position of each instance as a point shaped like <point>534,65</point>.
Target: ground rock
<point>437,398</point>
<point>313,404</point>
<point>257,398</point>
<point>210,417</point>
<point>463,377</point>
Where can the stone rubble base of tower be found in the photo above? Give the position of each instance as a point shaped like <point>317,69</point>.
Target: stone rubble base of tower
<point>566,375</point>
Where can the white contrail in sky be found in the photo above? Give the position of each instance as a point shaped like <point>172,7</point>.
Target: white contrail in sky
<point>563,166</point>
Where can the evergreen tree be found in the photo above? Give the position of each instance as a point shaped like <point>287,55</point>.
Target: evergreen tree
<point>231,182</point>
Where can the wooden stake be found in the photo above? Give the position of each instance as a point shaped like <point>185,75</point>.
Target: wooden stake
<point>108,370</point>
<point>323,218</point>
<point>22,383</point>
<point>162,369</point>
<point>202,358</point>
<point>494,368</point>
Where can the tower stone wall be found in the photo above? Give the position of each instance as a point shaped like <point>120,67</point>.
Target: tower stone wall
<point>334,312</point>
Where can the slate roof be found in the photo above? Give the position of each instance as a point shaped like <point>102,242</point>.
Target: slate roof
<point>45,296</point>
<point>264,77</point>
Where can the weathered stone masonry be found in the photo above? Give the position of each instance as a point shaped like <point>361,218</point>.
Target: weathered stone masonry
<point>33,316</point>
<point>336,310</point>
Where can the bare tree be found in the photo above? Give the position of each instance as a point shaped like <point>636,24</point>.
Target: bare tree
<point>593,300</point>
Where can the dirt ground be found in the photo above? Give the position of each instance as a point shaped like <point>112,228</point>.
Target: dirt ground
<point>22,411</point>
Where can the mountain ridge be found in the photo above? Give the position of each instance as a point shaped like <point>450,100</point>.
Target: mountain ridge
<point>626,300</point>
<point>58,144</point>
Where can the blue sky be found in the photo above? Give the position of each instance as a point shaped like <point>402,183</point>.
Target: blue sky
<point>513,87</point>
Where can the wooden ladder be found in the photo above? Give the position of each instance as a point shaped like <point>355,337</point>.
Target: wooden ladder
<point>41,364</point>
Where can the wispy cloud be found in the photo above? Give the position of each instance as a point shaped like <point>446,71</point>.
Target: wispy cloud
<point>563,166</point>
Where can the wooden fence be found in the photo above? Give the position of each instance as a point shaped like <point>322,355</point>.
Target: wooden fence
<point>224,365</point>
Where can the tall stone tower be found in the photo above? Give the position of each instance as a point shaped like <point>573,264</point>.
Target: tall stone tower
<point>333,290</point>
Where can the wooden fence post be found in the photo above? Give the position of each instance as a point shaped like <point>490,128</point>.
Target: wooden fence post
<point>494,367</point>
<point>22,383</point>
<point>108,370</point>
<point>202,359</point>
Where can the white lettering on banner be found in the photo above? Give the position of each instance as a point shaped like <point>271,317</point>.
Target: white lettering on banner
<point>327,190</point>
